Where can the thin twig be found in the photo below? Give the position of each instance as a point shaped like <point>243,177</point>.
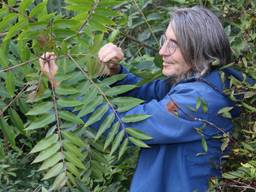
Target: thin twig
<point>135,40</point>
<point>18,65</point>
<point>95,4</point>
<point>16,11</point>
<point>150,29</point>
<point>13,100</point>
<point>85,23</point>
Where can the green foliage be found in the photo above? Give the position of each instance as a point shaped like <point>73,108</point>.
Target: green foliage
<point>66,152</point>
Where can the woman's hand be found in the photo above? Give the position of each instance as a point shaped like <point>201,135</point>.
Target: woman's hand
<point>109,56</point>
<point>48,66</point>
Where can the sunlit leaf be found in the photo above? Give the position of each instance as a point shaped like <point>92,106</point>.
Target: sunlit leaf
<point>105,125</point>
<point>41,122</point>
<point>117,141</point>
<point>41,108</point>
<point>138,142</point>
<point>43,155</point>
<point>45,143</point>
<point>135,118</point>
<point>54,171</point>
<point>137,134</point>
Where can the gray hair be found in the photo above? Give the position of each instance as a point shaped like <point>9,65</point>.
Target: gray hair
<point>201,38</point>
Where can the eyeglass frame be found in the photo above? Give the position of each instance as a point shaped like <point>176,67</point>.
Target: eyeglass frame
<point>172,44</point>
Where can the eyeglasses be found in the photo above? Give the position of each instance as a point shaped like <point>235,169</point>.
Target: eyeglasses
<point>171,44</point>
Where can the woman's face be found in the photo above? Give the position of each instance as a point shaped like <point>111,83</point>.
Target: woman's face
<point>173,61</point>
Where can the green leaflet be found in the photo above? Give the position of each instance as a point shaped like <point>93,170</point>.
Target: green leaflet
<point>117,141</point>
<point>198,103</point>
<point>94,25</point>
<point>73,169</point>
<point>23,106</point>
<point>54,171</point>
<point>59,182</point>
<point>53,160</point>
<point>45,143</point>
<point>79,8</point>
<point>43,155</point>
<point>68,116</point>
<point>44,189</point>
<point>41,122</point>
<point>40,8</point>
<point>249,107</point>
<point>233,174</point>
<point>113,79</point>
<point>13,30</point>
<point>98,156</point>
<point>204,144</point>
<point>126,103</point>
<point>66,23</point>
<point>7,131</point>
<point>119,90</point>
<point>74,160</point>
<point>24,5</point>
<point>105,125</point>
<point>71,178</point>
<point>41,108</point>
<point>2,155</point>
<point>105,11</point>
<point>68,146</point>
<point>68,102</point>
<point>89,93</point>
<point>16,120</point>
<point>7,20</point>
<point>66,91</point>
<point>97,115</point>
<point>90,107</point>
<point>103,19</point>
<point>123,148</point>
<point>113,35</point>
<point>134,118</point>
<point>138,142</point>
<point>111,134</point>
<point>137,134</point>
<point>10,83</point>
<point>73,138</point>
<point>225,112</point>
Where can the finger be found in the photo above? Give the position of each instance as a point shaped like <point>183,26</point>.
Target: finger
<point>114,56</point>
<point>106,48</point>
<point>112,51</point>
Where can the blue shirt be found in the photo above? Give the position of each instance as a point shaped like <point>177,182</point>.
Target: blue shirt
<point>176,160</point>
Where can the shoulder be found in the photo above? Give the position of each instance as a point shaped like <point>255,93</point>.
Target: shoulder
<point>203,94</point>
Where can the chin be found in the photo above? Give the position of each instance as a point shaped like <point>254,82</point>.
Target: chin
<point>167,73</point>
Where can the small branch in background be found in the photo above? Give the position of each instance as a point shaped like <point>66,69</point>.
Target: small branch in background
<point>150,29</point>
<point>95,4</point>
<point>85,23</point>
<point>3,34</point>
<point>18,65</point>
<point>16,11</point>
<point>135,40</point>
<point>13,100</point>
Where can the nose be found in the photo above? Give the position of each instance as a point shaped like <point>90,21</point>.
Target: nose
<point>163,50</point>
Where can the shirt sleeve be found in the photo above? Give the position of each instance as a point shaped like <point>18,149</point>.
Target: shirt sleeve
<point>153,90</point>
<point>168,123</point>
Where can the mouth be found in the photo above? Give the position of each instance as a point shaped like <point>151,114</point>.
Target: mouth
<point>167,63</point>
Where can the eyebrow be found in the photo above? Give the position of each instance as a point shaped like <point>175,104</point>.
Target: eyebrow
<point>173,40</point>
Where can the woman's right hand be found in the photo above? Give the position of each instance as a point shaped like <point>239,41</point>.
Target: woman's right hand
<point>110,55</point>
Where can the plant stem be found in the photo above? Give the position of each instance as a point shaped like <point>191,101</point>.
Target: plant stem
<point>100,91</point>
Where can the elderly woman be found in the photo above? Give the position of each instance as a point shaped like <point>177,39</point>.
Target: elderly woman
<point>184,154</point>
